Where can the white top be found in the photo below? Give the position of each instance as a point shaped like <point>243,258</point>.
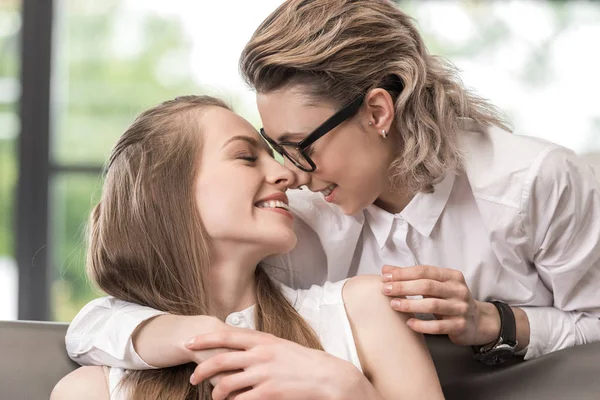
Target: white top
<point>522,222</point>
<point>321,306</point>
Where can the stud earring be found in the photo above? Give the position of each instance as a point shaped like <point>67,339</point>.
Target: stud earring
<point>384,133</point>
<point>370,123</point>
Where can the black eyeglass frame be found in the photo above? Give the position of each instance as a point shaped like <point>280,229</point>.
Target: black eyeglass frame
<point>345,113</point>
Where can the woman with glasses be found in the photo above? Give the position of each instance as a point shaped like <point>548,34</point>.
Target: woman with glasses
<point>490,237</point>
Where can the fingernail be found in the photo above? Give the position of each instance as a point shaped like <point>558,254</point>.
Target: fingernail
<point>410,323</point>
<point>190,341</point>
<point>395,303</point>
<point>192,379</point>
<point>387,289</point>
<point>387,277</point>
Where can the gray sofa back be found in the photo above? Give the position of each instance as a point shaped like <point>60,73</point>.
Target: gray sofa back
<point>33,359</point>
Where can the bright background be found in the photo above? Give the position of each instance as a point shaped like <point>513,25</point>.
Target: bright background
<point>537,60</point>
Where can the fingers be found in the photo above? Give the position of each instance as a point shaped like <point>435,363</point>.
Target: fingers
<point>392,273</point>
<point>423,287</point>
<point>220,363</point>
<point>431,306</point>
<point>242,339</point>
<point>451,326</point>
<point>232,386</point>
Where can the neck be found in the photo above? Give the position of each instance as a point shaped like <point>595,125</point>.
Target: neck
<point>394,201</point>
<point>232,282</point>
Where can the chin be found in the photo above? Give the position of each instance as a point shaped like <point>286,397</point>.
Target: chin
<point>281,242</point>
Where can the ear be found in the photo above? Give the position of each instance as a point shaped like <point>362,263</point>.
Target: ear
<point>380,109</point>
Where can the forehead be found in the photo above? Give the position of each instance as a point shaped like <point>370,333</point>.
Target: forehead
<point>291,112</point>
<point>220,125</point>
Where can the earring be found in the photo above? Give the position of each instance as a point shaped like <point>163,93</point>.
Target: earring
<point>384,133</point>
<point>370,123</point>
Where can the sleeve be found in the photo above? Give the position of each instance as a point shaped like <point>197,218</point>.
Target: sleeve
<point>101,333</point>
<point>562,217</point>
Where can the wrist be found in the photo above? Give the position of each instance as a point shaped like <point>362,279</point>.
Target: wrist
<point>160,341</point>
<point>194,326</point>
<point>489,326</point>
<point>523,328</point>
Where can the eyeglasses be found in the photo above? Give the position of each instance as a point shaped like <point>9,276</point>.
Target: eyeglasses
<point>296,151</point>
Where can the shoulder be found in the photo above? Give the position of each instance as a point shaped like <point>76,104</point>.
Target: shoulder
<point>362,285</point>
<point>501,166</point>
<point>562,167</point>
<point>83,383</point>
<point>364,299</point>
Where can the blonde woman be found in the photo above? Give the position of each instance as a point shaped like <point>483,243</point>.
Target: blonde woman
<point>193,201</point>
<point>409,175</point>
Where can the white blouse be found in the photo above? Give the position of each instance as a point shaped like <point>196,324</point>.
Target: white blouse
<point>522,223</point>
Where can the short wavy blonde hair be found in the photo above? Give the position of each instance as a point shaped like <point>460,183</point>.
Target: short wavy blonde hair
<point>340,49</point>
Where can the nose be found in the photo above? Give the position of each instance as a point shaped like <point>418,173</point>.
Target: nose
<point>280,176</point>
<point>301,178</point>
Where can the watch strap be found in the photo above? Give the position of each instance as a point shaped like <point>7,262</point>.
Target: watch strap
<point>508,325</point>
<point>504,346</point>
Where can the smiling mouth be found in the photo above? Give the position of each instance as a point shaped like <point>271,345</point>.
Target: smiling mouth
<point>273,204</point>
<point>327,191</point>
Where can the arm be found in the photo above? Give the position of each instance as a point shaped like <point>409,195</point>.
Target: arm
<point>563,221</point>
<point>394,358</point>
<point>269,367</point>
<point>84,383</point>
<point>561,232</point>
<point>116,333</point>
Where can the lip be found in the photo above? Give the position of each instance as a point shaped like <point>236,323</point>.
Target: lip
<point>280,196</point>
<point>321,189</point>
<point>332,195</point>
<point>275,196</point>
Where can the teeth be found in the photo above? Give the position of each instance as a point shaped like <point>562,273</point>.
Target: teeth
<point>327,191</point>
<point>273,204</point>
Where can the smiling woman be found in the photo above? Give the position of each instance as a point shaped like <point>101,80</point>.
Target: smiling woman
<point>192,203</point>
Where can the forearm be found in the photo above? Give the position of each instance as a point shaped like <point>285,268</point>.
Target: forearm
<point>160,342</point>
<point>100,334</point>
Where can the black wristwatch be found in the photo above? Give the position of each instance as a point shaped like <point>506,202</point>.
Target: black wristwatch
<point>504,347</point>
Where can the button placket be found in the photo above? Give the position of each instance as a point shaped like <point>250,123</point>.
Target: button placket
<point>403,255</point>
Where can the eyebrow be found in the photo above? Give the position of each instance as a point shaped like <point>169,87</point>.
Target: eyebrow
<point>289,135</point>
<point>252,141</point>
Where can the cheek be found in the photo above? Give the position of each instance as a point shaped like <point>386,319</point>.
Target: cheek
<point>219,205</point>
<point>351,163</point>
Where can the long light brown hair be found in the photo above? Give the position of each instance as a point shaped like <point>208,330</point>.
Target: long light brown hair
<point>340,49</point>
<point>147,243</point>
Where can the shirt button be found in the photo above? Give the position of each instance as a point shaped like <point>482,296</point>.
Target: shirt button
<point>235,320</point>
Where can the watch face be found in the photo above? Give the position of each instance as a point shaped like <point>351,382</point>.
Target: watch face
<point>497,355</point>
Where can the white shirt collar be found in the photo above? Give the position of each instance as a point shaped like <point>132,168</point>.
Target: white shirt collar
<point>422,213</point>
<point>248,314</point>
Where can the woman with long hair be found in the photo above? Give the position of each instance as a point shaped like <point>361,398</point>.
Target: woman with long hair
<point>192,202</point>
